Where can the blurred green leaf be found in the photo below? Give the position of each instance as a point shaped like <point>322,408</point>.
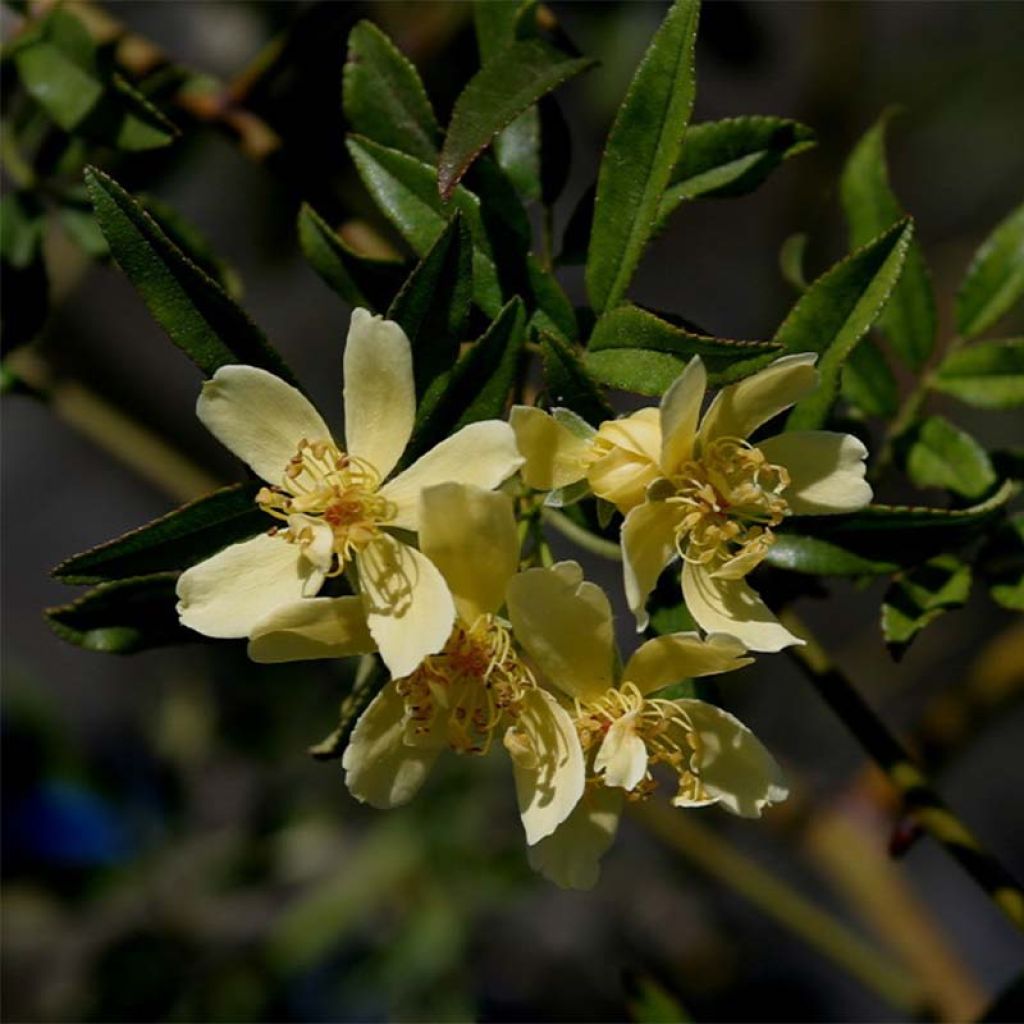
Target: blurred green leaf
<point>835,313</point>
<point>943,455</point>
<point>909,318</point>
<point>22,226</point>
<point>994,282</point>
<point>989,374</point>
<point>433,304</point>
<point>384,98</point>
<point>569,383</point>
<point>26,285</point>
<point>723,159</point>
<point>1002,563</point>
<point>634,350</point>
<point>359,280</point>
<point>919,597</point>
<point>868,383</point>
<point>174,541</point>
<point>508,84</point>
<point>650,1002</point>
<point>123,617</point>
<point>80,224</point>
<point>791,261</point>
<point>200,317</point>
<point>640,154</point>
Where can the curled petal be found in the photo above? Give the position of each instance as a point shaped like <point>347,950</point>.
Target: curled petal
<point>628,451</point>
<point>680,411</point>
<point>677,656</point>
<point>622,757</point>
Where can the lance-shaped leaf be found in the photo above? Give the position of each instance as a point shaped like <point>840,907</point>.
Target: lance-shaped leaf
<point>724,159</point>
<point>943,455</point>
<point>174,541</point>
<point>359,280</point>
<point>123,617</point>
<point>383,96</point>
<point>868,383</point>
<point>989,374</point>
<point>909,319</point>
<point>835,313</point>
<point>818,557</point>
<point>569,383</point>
<point>635,350</point>
<point>477,387</point>
<point>553,312</point>
<point>994,282</point>
<point>434,302</point>
<point>59,65</point>
<point>511,82</point>
<point>200,317</point>
<point>919,597</point>
<point>642,150</point>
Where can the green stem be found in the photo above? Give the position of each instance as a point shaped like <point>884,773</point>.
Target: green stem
<point>583,537</point>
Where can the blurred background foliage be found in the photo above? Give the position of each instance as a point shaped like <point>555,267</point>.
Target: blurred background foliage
<point>169,849</point>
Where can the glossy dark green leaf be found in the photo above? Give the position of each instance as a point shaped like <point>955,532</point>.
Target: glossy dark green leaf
<point>1002,563</point>
<point>836,311</point>
<point>174,541</point>
<point>920,596</point>
<point>359,280</point>
<point>569,384</point>
<point>909,318</point>
<point>634,350</point>
<point>200,317</point>
<point>868,383</point>
<point>641,152</point>
<point>724,159</point>
<point>943,455</point>
<point>58,64</point>
<point>576,237</point>
<point>988,374</point>
<point>384,98</point>
<point>994,282</point>
<point>508,84</point>
<point>434,302</point>
<point>817,557</point>
<point>123,617</point>
<point>477,387</point>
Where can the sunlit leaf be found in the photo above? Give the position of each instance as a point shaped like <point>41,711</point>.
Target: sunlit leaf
<point>920,596</point>
<point>989,374</point>
<point>994,282</point>
<point>943,455</point>
<point>818,557</point>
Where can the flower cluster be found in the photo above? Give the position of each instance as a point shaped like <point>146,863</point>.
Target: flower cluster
<point>483,648</point>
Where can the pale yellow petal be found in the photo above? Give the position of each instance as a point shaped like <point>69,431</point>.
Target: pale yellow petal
<point>547,762</point>
<point>380,768</point>
<point>626,463</point>
<point>739,409</point>
<point>680,412</point>
<point>730,606</point>
<point>314,627</point>
<point>259,418</point>
<point>826,471</point>
<point>571,856</point>
<point>621,759</point>
<point>470,535</point>
<point>380,396</point>
<point>565,625</point>
<point>554,454</point>
<point>226,595</point>
<point>482,454</point>
<point>409,609</point>
<point>677,656</point>
<point>648,545</point>
<point>639,433</point>
<point>735,768</point>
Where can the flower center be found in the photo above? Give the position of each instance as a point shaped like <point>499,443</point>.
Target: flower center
<point>324,485</point>
<point>729,499</point>
<point>462,695</point>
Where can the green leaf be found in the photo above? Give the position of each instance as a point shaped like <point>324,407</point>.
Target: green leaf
<point>909,319</point>
<point>59,65</point>
<point>867,381</point>
<point>200,317</point>
<point>634,350</point>
<point>817,557</point>
<point>641,152</point>
<point>22,226</point>
<point>791,261</point>
<point>994,282</point>
<point>406,191</point>
<point>1002,563</point>
<point>721,159</point>
<point>569,384</point>
<point>835,313</point>
<point>434,302</point>
<point>123,617</point>
<point>477,387</point>
<point>919,597</point>
<point>508,84</point>
<point>384,98</point>
<point>989,374</point>
<point>942,455</point>
<point>174,541</point>
<point>554,313</point>
<point>26,288</point>
<point>359,280</point>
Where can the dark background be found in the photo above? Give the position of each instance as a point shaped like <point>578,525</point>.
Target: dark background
<point>171,851</point>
